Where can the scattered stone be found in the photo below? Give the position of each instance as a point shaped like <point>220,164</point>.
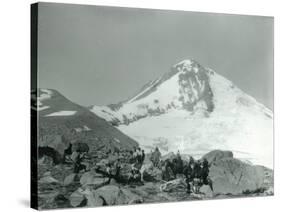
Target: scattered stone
<point>174,185</point>
<point>70,179</point>
<point>85,197</point>
<point>94,179</point>
<point>114,195</point>
<point>61,201</point>
<point>76,198</point>
<point>47,178</point>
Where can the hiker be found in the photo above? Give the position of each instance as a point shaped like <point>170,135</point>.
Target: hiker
<point>196,177</point>
<point>142,156</point>
<point>118,167</point>
<point>131,157</point>
<point>108,169</point>
<point>135,155</point>
<point>204,171</point>
<point>167,172</point>
<point>113,170</point>
<point>205,174</point>
<point>197,170</point>
<point>135,175</point>
<point>189,174</point>
<point>138,155</point>
<point>155,157</point>
<point>178,164</point>
<point>78,158</point>
<point>191,160</point>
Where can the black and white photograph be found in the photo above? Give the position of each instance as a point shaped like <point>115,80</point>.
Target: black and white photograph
<point>137,106</point>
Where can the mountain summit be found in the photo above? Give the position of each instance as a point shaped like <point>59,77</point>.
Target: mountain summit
<point>186,87</point>
<point>195,110</point>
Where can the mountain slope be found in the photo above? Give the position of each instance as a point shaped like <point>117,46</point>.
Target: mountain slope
<point>194,110</point>
<point>58,116</point>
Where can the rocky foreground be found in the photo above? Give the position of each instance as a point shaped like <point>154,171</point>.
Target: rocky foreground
<point>59,187</point>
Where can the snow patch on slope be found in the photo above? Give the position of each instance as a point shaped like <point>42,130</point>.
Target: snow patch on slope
<point>63,113</point>
<point>44,95</point>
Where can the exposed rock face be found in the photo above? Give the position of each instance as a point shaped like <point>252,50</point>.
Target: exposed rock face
<point>194,85</point>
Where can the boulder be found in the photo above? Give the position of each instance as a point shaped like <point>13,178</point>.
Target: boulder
<point>61,201</point>
<point>69,179</point>
<point>48,178</point>
<point>85,197</point>
<point>150,173</point>
<point>56,142</point>
<point>174,185</point>
<point>114,195</point>
<point>216,155</point>
<point>80,147</point>
<point>207,191</point>
<point>125,172</point>
<point>232,176</point>
<point>94,179</point>
<point>76,198</point>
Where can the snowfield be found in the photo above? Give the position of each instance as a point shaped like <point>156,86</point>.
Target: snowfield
<point>250,138</point>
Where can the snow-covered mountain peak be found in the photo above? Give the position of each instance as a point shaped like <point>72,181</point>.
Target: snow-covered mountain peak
<point>187,65</point>
<point>194,110</point>
<point>185,87</point>
<point>190,87</point>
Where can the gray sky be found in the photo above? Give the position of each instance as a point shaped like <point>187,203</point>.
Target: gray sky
<point>102,55</point>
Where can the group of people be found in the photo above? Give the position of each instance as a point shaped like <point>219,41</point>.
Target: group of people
<point>136,161</point>
<point>137,155</point>
<point>196,172</point>
<point>126,161</point>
